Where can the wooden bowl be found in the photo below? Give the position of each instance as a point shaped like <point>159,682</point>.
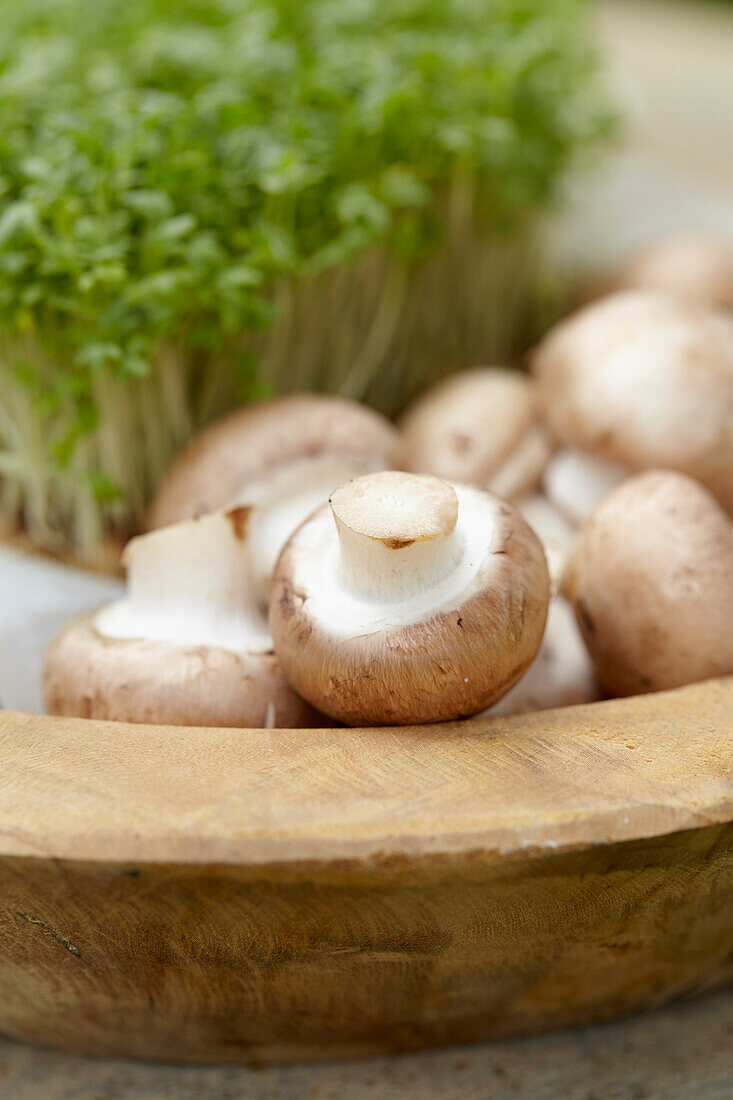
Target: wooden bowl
<point>219,894</point>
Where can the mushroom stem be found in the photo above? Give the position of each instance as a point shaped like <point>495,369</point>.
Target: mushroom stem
<point>397,534</point>
<point>576,482</point>
<point>189,584</point>
<point>283,498</point>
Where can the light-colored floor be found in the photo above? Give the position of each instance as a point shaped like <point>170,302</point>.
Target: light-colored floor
<point>683,1052</point>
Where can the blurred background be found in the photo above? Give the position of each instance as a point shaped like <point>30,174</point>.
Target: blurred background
<point>670,68</point>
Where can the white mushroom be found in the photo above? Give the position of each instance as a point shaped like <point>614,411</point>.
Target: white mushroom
<point>186,645</point>
<point>408,600</point>
<point>638,380</point>
<point>283,456</point>
<point>651,582</point>
<point>479,427</point>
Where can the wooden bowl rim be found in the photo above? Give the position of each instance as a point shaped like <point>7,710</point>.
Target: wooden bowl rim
<point>505,788</point>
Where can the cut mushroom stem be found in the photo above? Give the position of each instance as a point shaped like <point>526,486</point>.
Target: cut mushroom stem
<point>389,512</point>
<point>409,600</point>
<point>190,584</point>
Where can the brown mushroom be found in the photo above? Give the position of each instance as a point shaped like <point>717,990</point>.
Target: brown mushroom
<point>693,265</point>
<point>651,582</point>
<point>479,427</point>
<point>641,380</point>
<point>186,645</point>
<point>408,600</point>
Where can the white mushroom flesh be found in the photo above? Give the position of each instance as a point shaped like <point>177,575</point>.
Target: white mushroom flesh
<point>285,498</point>
<point>189,584</point>
<point>356,582</point>
<point>553,530</point>
<point>575,482</point>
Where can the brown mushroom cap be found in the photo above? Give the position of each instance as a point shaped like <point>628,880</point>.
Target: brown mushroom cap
<point>692,265</point>
<point>409,600</point>
<point>479,427</point>
<point>644,379</point>
<point>250,442</point>
<point>651,582</point>
<point>186,645</point>
<point>89,675</point>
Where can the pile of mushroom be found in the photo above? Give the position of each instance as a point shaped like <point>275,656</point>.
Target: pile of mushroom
<point>501,551</point>
<point>639,380</point>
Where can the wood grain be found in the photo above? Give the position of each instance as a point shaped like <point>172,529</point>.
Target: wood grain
<point>279,895</point>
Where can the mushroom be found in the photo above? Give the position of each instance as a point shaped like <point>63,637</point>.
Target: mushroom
<point>408,600</point>
<point>479,427</point>
<point>285,456</point>
<point>651,582</point>
<point>186,645</point>
<point>692,265</point>
<point>639,380</point>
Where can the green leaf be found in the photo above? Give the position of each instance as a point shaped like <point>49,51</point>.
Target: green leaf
<point>15,218</point>
<point>165,167</point>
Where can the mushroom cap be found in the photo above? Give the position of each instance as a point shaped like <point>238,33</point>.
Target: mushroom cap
<point>421,654</point>
<point>651,582</point>
<point>87,674</point>
<point>249,443</point>
<point>479,427</point>
<point>644,379</point>
<point>692,265</point>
